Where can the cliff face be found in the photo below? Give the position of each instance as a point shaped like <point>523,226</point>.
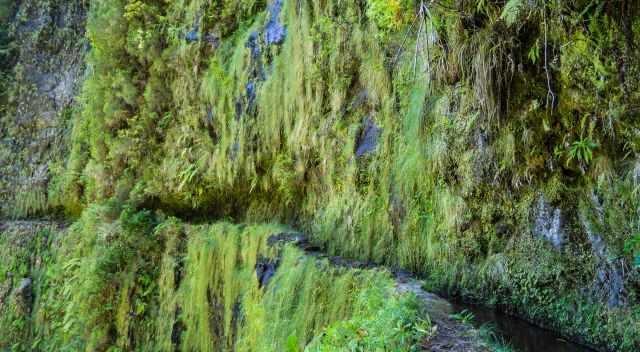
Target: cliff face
<point>491,146</point>
<point>45,67</point>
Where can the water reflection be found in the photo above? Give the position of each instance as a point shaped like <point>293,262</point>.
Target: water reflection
<point>520,335</point>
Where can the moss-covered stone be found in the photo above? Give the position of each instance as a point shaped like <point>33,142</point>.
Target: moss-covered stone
<point>46,71</point>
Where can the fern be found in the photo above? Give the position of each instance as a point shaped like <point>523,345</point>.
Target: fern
<point>512,11</point>
<point>534,52</point>
<point>582,150</point>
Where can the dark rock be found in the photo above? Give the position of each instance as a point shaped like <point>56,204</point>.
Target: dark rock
<point>502,229</point>
<point>192,36</point>
<point>177,329</point>
<point>24,295</point>
<point>275,32</point>
<point>253,45</point>
<point>341,262</point>
<point>360,99</point>
<point>87,46</point>
<point>236,317</point>
<point>212,39</point>
<point>287,237</point>
<point>239,109</point>
<point>210,115</point>
<point>25,287</point>
<point>245,104</point>
<point>251,94</point>
<point>234,151</point>
<point>265,270</point>
<point>368,139</point>
<point>301,242</point>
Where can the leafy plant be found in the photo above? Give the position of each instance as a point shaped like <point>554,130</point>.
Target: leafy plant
<point>382,322</point>
<point>387,14</point>
<point>496,342</point>
<point>534,52</point>
<point>465,316</point>
<point>581,150</point>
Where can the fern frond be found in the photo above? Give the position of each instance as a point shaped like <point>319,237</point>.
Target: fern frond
<point>512,11</point>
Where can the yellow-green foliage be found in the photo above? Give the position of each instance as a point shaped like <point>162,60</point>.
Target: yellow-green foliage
<point>220,271</point>
<point>102,281</point>
<point>380,323</point>
<point>482,105</point>
<point>304,297</point>
<point>131,280</point>
<point>23,255</point>
<point>389,14</point>
<point>29,202</point>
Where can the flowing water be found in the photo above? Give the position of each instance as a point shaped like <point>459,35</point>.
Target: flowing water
<point>519,334</point>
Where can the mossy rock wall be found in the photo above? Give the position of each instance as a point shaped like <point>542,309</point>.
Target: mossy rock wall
<point>491,146</point>
<point>42,72</point>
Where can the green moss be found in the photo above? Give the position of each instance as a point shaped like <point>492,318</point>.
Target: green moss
<point>483,107</point>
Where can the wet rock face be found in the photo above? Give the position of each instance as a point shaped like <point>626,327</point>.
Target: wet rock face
<point>296,238</point>
<point>483,157</point>
<point>47,77</point>
<point>275,32</point>
<point>609,283</point>
<point>548,223</point>
<point>234,151</point>
<point>598,245</point>
<point>265,270</point>
<point>253,46</point>
<point>368,139</point>
<point>192,36</point>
